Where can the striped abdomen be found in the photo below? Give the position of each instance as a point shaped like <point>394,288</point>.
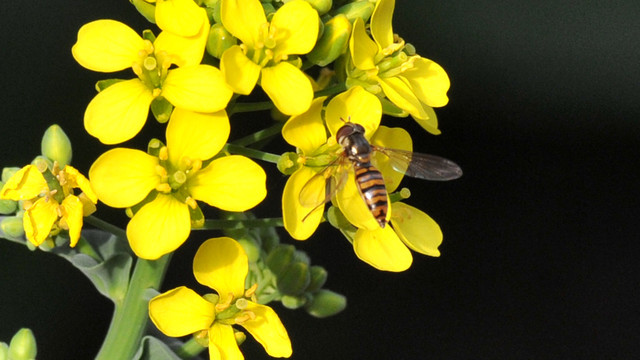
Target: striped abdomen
<point>371,185</point>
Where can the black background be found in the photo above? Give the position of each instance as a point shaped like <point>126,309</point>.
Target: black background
<point>540,248</point>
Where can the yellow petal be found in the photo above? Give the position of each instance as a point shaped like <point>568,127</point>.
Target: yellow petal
<point>107,46</point>
<point>181,17</point>
<point>222,343</point>
<point>293,212</point>
<point>221,264</point>
<point>26,183</point>
<point>306,131</point>
<point>71,208</point>
<point>381,29</point>
<point>243,19</point>
<point>363,49</point>
<point>159,227</point>
<point>430,122</point>
<point>288,87</point>
<point>38,220</point>
<point>382,249</point>
<point>80,181</point>
<point>429,82</point>
<point>393,138</point>
<point>353,206</point>
<point>356,105</point>
<point>198,88</point>
<point>181,312</point>
<point>184,51</point>
<point>239,71</point>
<point>296,28</point>
<point>118,112</point>
<point>124,177</point>
<point>196,136</point>
<point>400,93</point>
<point>268,330</point>
<point>416,229</point>
<point>231,183</point>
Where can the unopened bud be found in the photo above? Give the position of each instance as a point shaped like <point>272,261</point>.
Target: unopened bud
<point>4,351</point>
<point>321,6</point>
<point>318,278</point>
<point>213,9</point>
<point>359,9</point>
<point>293,302</point>
<point>279,258</point>
<point>219,40</point>
<point>295,279</point>
<point>161,109</point>
<point>326,303</point>
<point>8,172</point>
<point>288,163</point>
<point>7,206</point>
<point>56,145</point>
<point>145,9</point>
<point>333,42</point>
<point>23,345</point>
<point>12,227</point>
<point>251,249</point>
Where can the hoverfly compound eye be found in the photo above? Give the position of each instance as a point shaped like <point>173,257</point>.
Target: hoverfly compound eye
<point>345,131</point>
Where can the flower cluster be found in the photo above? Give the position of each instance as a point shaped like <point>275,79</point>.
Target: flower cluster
<point>193,76</point>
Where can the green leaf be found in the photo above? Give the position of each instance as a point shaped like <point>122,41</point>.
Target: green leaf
<point>152,348</point>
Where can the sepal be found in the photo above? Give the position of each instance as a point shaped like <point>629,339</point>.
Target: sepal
<point>145,9</point>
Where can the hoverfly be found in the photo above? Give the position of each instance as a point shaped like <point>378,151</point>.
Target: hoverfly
<point>357,153</point>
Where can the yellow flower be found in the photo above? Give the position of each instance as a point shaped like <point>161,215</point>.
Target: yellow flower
<point>118,112</point>
<point>264,54</point>
<point>222,265</point>
<point>167,185</point>
<point>384,67</point>
<point>383,248</point>
<point>50,204</point>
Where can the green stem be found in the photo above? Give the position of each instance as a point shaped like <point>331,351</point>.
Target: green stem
<point>252,153</point>
<point>101,224</point>
<point>250,107</point>
<point>190,349</point>
<point>213,224</point>
<point>331,90</point>
<point>130,316</point>
<point>260,135</point>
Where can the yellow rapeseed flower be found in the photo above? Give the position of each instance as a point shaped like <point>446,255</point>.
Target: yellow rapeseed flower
<point>164,188</point>
<point>222,265</point>
<point>118,112</point>
<point>383,66</point>
<point>263,56</point>
<point>383,248</point>
<point>49,202</point>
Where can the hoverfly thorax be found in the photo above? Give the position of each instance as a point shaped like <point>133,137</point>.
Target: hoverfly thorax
<point>356,147</point>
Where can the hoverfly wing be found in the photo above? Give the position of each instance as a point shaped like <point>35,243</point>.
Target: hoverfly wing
<point>421,166</point>
<point>321,187</point>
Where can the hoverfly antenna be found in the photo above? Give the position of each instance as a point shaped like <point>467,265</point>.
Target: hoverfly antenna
<point>346,121</point>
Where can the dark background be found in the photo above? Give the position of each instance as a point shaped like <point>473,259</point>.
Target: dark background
<point>539,259</point>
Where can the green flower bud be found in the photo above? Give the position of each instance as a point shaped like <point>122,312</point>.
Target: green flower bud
<point>269,9</point>
<point>4,351</point>
<point>295,279</point>
<point>318,278</point>
<point>103,84</point>
<point>145,9</point>
<point>56,145</point>
<point>333,42</point>
<point>279,258</point>
<point>12,226</point>
<point>326,303</point>
<point>8,172</point>
<point>288,163</point>
<point>161,109</point>
<point>359,9</point>
<point>321,6</point>
<point>293,302</point>
<point>219,40</point>
<point>7,206</point>
<point>23,345</point>
<point>213,9</point>
<point>251,249</point>
<point>301,256</point>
